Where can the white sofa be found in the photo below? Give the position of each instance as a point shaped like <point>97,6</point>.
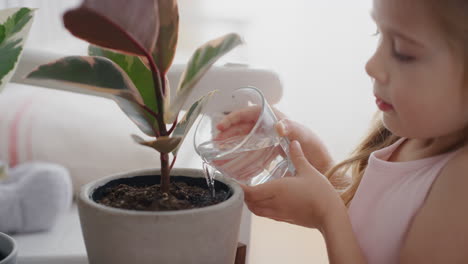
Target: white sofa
<point>91,137</point>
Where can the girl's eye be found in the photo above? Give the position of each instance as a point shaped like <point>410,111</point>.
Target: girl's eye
<point>402,57</point>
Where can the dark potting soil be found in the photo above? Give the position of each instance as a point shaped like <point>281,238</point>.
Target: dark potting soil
<point>2,256</point>
<point>149,197</point>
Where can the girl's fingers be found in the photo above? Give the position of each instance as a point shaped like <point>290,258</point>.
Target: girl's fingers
<point>264,212</point>
<point>279,115</point>
<point>239,130</point>
<point>292,130</point>
<point>270,209</point>
<point>248,114</point>
<point>315,152</point>
<point>265,191</point>
<point>300,162</point>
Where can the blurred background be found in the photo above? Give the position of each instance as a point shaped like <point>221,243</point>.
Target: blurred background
<point>318,48</point>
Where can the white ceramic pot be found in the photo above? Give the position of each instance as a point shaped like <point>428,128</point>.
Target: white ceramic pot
<point>206,235</point>
<point>8,249</point>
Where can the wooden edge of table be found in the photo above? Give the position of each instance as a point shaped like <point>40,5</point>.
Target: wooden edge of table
<point>241,254</point>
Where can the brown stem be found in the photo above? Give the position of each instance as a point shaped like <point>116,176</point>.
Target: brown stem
<point>173,161</point>
<point>158,89</point>
<point>173,126</point>
<point>151,112</point>
<point>165,172</point>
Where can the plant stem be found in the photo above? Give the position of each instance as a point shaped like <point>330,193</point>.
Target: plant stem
<point>158,89</point>
<point>151,112</point>
<point>165,172</point>
<point>172,163</point>
<point>159,85</point>
<point>173,126</point>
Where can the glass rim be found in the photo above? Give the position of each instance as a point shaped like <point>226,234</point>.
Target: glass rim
<point>248,136</point>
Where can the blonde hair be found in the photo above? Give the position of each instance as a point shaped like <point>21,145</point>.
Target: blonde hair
<point>452,17</point>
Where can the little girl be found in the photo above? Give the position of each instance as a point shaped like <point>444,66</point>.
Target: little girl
<point>401,197</point>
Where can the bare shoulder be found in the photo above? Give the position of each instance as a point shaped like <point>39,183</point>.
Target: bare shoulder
<point>453,177</point>
<point>439,231</point>
<point>460,160</point>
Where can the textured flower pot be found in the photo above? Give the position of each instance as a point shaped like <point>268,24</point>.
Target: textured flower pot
<point>205,235</point>
<point>8,249</point>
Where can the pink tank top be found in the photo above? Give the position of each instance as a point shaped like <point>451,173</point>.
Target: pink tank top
<point>387,199</point>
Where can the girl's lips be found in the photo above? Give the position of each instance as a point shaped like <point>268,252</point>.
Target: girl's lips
<point>383,106</point>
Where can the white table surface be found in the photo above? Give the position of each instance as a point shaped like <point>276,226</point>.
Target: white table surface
<point>62,244</point>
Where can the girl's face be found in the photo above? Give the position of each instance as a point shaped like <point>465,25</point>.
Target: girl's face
<point>418,77</point>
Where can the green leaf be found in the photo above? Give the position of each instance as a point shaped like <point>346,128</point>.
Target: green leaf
<point>97,76</point>
<point>9,56</point>
<point>161,144</point>
<point>137,114</point>
<point>13,33</point>
<point>200,62</point>
<point>16,22</point>
<point>168,34</point>
<point>183,127</point>
<point>128,26</point>
<point>93,73</point>
<point>135,69</point>
<point>2,33</point>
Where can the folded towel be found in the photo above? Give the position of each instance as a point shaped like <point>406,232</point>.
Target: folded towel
<point>32,196</point>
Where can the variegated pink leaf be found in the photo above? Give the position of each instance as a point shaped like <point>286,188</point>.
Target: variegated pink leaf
<point>128,26</point>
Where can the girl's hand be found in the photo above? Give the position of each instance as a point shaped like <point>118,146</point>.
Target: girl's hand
<point>241,122</point>
<point>305,199</point>
<point>314,149</point>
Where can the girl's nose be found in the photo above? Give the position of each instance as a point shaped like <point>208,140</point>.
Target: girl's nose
<point>376,70</point>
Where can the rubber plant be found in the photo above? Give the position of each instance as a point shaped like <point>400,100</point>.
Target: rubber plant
<point>132,46</point>
<point>15,24</point>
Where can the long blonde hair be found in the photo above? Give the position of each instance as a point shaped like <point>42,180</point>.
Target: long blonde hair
<point>452,16</point>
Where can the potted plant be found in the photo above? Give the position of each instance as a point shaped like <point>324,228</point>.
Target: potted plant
<point>14,28</point>
<point>148,216</point>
